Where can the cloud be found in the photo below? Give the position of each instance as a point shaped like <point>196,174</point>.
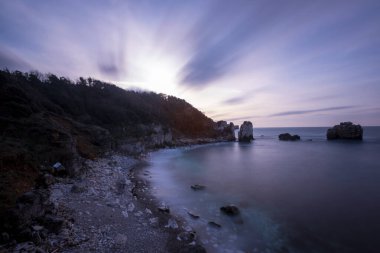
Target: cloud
<point>235,100</point>
<point>11,61</point>
<point>311,111</point>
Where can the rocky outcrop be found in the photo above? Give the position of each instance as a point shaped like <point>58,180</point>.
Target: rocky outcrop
<point>197,187</point>
<point>227,131</point>
<point>246,132</point>
<point>345,130</point>
<point>230,210</point>
<point>289,137</point>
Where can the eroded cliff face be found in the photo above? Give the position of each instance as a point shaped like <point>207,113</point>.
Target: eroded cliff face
<point>246,132</point>
<point>345,130</point>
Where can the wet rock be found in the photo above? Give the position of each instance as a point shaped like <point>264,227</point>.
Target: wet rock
<point>214,224</point>
<point>187,236</point>
<point>345,130</point>
<point>197,187</point>
<point>193,215</point>
<point>230,210</point>
<point>58,169</point>
<point>164,209</point>
<point>172,224</point>
<point>288,137</point>
<point>246,132</point>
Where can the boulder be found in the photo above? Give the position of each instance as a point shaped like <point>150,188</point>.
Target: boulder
<point>197,187</point>
<point>288,137</point>
<point>246,132</point>
<point>230,210</point>
<point>345,130</point>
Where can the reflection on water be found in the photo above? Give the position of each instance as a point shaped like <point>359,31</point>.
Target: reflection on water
<point>307,196</point>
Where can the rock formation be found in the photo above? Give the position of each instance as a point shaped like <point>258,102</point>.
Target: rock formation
<point>289,137</point>
<point>227,131</point>
<point>230,210</point>
<point>345,130</point>
<point>246,132</point>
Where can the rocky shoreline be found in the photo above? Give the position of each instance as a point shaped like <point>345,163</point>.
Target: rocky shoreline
<point>108,208</point>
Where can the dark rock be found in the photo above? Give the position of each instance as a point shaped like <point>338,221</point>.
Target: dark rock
<point>28,198</point>
<point>289,137</point>
<point>120,186</point>
<point>197,187</point>
<point>25,234</point>
<point>230,210</point>
<point>246,132</point>
<point>4,237</point>
<point>187,237</point>
<point>77,188</point>
<point>214,224</point>
<point>48,179</point>
<point>164,209</point>
<point>58,169</point>
<point>345,130</point>
<point>193,215</point>
<point>53,223</point>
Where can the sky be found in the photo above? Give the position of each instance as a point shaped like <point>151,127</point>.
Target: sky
<point>275,63</point>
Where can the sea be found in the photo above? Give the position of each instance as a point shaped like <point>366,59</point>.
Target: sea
<point>311,195</point>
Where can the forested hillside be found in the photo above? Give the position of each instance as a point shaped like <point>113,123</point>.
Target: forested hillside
<point>45,119</point>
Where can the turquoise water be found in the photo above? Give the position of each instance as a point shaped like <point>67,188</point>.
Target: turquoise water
<point>308,196</point>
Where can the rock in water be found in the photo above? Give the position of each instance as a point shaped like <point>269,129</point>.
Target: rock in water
<point>289,137</point>
<point>197,187</point>
<point>345,130</point>
<point>230,210</point>
<point>246,132</point>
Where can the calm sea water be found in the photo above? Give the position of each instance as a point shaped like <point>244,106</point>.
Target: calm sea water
<point>308,196</point>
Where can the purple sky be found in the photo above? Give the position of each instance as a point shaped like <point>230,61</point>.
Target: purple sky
<point>276,63</point>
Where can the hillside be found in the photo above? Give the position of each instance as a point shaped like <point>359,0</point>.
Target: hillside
<point>45,119</point>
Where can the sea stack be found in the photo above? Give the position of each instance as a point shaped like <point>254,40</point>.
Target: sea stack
<point>227,131</point>
<point>246,132</point>
<point>345,130</point>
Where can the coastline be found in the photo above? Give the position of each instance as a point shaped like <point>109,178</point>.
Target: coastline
<point>108,208</point>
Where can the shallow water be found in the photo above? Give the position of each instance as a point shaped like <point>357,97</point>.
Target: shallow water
<point>308,196</point>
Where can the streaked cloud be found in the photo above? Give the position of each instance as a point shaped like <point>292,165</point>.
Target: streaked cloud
<point>311,111</point>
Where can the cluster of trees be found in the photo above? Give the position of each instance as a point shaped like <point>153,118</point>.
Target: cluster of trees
<point>94,102</point>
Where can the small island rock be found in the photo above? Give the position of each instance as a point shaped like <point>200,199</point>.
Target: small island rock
<point>197,187</point>
<point>246,132</point>
<point>289,137</point>
<point>345,130</point>
<point>230,210</point>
